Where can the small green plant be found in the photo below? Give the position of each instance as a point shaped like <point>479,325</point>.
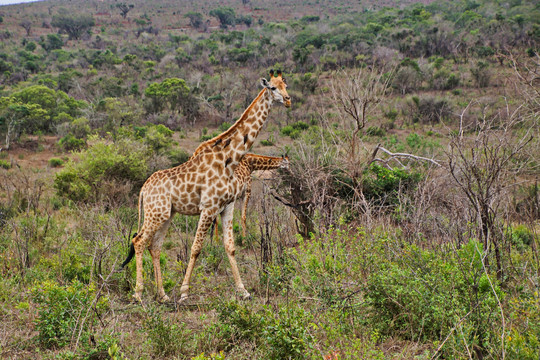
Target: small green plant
<point>5,164</point>
<point>56,162</point>
<point>165,336</point>
<point>375,131</point>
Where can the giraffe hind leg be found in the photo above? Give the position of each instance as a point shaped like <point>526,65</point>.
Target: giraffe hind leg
<point>155,252</point>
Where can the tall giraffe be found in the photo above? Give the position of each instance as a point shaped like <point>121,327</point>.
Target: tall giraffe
<point>204,185</point>
<point>249,164</point>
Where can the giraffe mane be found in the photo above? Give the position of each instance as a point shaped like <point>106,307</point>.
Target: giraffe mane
<point>226,133</point>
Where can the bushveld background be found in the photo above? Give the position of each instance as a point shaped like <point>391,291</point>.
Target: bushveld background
<point>407,226</point>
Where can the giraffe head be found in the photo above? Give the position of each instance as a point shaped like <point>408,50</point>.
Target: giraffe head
<point>284,162</point>
<point>277,87</point>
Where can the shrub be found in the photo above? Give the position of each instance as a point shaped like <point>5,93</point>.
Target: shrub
<point>430,110</point>
<point>55,162</point>
<point>421,295</point>
<point>71,143</point>
<point>286,334</point>
<point>481,74</point>
<point>5,164</point>
<point>382,185</point>
<point>125,161</point>
<point>65,311</point>
<point>166,337</point>
<point>375,131</point>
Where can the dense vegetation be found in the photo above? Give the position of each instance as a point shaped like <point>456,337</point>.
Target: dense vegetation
<point>406,227</point>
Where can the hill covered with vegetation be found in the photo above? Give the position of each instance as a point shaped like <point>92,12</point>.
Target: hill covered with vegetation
<point>406,227</point>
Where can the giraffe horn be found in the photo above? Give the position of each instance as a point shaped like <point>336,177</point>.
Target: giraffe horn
<point>278,73</point>
<point>271,73</point>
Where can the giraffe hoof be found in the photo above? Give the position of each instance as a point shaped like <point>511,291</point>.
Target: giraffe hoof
<point>164,299</point>
<point>137,297</point>
<point>246,296</point>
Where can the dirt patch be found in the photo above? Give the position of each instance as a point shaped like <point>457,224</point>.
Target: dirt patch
<point>33,152</point>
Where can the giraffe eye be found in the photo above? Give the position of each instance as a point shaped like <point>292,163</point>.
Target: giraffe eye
<point>273,88</point>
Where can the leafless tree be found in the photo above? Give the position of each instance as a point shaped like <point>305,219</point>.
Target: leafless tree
<point>26,25</point>
<point>484,166</point>
<point>357,93</point>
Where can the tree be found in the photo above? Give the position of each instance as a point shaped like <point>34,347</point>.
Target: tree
<point>16,117</point>
<point>74,26</point>
<point>26,25</point>
<point>176,94</point>
<point>225,15</point>
<point>484,165</point>
<point>51,42</point>
<point>124,8</point>
<point>195,19</point>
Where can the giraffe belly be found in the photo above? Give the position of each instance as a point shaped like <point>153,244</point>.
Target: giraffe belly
<point>187,205</point>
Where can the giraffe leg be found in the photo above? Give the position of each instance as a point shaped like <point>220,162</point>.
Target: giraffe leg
<point>205,220</point>
<point>228,241</point>
<point>140,243</point>
<point>155,251</point>
<point>247,195</point>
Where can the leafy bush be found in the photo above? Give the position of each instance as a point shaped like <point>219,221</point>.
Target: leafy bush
<point>65,311</point>
<point>375,131</point>
<point>126,161</point>
<point>56,162</point>
<point>287,333</point>
<point>71,143</point>
<point>166,336</point>
<point>5,164</point>
<point>421,295</point>
<point>382,185</point>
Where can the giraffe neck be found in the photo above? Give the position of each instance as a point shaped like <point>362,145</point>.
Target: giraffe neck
<point>238,139</point>
<point>260,162</point>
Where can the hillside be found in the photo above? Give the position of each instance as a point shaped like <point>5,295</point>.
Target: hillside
<point>406,225</point>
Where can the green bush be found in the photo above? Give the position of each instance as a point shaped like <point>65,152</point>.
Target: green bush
<point>71,143</point>
<point>287,333</point>
<point>5,164</point>
<point>125,161</point>
<point>65,311</point>
<point>56,162</point>
<point>382,185</point>
<point>375,131</point>
<point>420,295</point>
<point>166,336</point>
<point>520,236</point>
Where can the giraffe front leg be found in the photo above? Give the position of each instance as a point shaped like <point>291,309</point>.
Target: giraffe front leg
<point>206,219</point>
<point>228,242</point>
<point>247,195</point>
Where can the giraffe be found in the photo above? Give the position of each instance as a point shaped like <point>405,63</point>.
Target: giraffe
<point>249,164</point>
<point>204,185</point>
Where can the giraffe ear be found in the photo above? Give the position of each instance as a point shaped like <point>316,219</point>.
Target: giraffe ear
<point>265,83</point>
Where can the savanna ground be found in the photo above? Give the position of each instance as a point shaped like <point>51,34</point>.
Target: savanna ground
<point>406,227</point>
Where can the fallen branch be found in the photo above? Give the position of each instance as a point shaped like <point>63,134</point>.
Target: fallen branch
<point>397,156</point>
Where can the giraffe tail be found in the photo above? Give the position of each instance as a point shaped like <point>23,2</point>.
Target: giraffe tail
<point>130,255</point>
<point>132,247</point>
